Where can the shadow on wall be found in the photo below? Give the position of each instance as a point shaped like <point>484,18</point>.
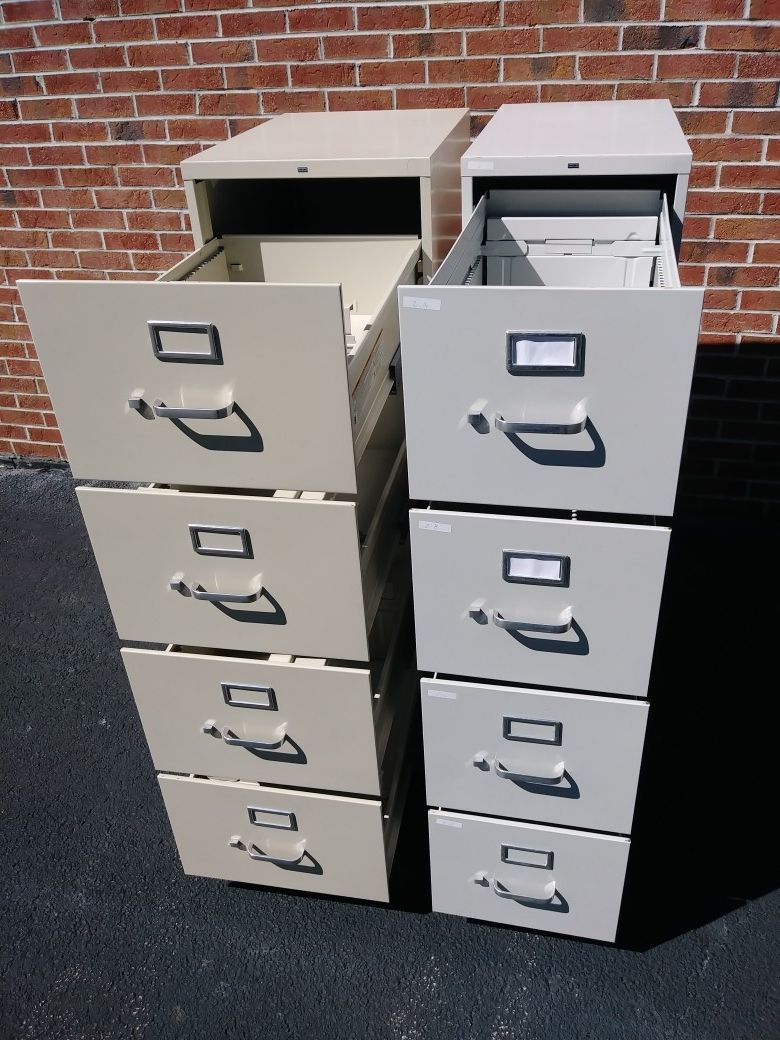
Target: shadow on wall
<point>704,841</point>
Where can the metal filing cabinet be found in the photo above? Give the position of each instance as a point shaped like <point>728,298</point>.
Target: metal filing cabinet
<point>256,385</point>
<point>547,369</point>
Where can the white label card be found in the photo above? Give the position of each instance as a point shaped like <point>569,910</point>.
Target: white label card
<point>422,303</point>
<point>432,525</point>
<point>449,823</point>
<point>444,694</point>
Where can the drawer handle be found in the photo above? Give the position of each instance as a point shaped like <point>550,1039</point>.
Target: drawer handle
<point>510,625</point>
<point>255,853</point>
<point>177,584</point>
<point>162,411</point>
<point>510,426</point>
<point>210,727</point>
<point>551,775</point>
<point>546,897</point>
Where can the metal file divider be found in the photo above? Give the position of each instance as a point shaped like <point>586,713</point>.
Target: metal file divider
<point>256,385</point>
<point>535,365</point>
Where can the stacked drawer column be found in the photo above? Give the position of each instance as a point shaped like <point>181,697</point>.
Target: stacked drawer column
<point>547,369</point>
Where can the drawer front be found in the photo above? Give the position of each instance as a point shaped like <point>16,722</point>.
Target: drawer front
<point>276,837</point>
<point>609,410</point>
<point>296,563</point>
<point>561,758</point>
<point>276,352</point>
<point>533,877</point>
<point>560,603</point>
<point>299,724</point>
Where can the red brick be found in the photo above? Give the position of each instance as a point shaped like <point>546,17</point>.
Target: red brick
<point>20,86</point>
<point>192,79</point>
<point>104,260</point>
<point>491,98</point>
<point>766,253</point>
<point>76,239</point>
<point>459,16</point>
<point>746,228</point>
<point>560,66</point>
<point>29,11</point>
<point>463,70</point>
<point>254,77</point>
<point>759,66</point>
<point>16,198</point>
<point>697,122</point>
<point>324,19</point>
<point>158,6</point>
<point>73,9</point>
<point>111,106</point>
<point>771,203</point>
<point>131,81</point>
<point>714,252</point>
<point>616,66</point>
<point>427,44</point>
<point>186,27</point>
<point>335,74</point>
<point>761,300</point>
<point>541,12</point>
<point>38,451</point>
<point>743,38</point>
<point>430,97</point>
<point>276,101</point>
<point>122,198</point>
<point>146,176</point>
<point>57,155</point>
<point>384,72</point>
<point>197,129</point>
<point>234,104</point>
<point>23,367</point>
<point>702,10</point>
<point>79,130</point>
<point>253,23</point>
<point>42,436</point>
<point>21,417</point>
<point>168,154</point>
<point>679,94</point>
<point>97,57</point>
<point>387,17</point>
<point>72,83</point>
<point>356,45</point>
<point>714,149</point>
<point>40,60</point>
<point>757,123</point>
<point>16,38</point>
<point>764,9</point>
<point>154,55</point>
<point>121,152</point>
<point>24,178</point>
<point>182,242</point>
<point>131,240</point>
<point>40,402</point>
<point>740,321</point>
<point>165,104</point>
<point>92,176</point>
<point>738,94</point>
<point>155,261</point>
<point>773,150</point>
<point>123,30</point>
<point>53,258</point>
<point>748,176</point>
<point>289,48</point>
<point>722,202</point>
<point>690,65</point>
<point>696,227</point>
<point>576,92</point>
<point>503,42</point>
<point>93,218</point>
<point>359,100</point>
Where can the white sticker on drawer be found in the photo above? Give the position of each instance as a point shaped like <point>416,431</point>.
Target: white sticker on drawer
<point>480,164</point>
<point>432,525</point>
<point>422,303</point>
<point>445,694</point>
<point>449,823</point>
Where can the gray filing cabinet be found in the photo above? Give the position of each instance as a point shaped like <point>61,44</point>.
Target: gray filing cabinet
<point>547,370</point>
<point>253,385</point>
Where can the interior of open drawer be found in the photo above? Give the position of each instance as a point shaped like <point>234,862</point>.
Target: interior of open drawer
<point>574,250</point>
<point>368,268</point>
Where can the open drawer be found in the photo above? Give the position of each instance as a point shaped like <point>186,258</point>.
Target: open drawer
<point>272,572</point>
<point>548,364</point>
<point>257,362</point>
<point>277,719</point>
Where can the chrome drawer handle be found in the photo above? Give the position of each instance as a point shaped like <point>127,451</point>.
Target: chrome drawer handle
<point>210,727</point>
<point>255,853</point>
<point>177,584</point>
<point>510,625</point>
<point>551,775</point>
<point>510,426</point>
<point>503,892</point>
<point>162,411</point>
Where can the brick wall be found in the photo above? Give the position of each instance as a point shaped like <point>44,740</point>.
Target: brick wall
<point>101,99</point>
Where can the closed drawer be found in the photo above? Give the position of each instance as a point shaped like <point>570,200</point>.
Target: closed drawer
<point>268,573</point>
<point>256,363</point>
<point>560,603</point>
<point>539,379</point>
<point>273,719</point>
<point>554,757</point>
<point>547,878</point>
<point>278,837</point>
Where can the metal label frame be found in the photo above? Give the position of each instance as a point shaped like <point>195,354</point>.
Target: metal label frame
<point>244,553</point>
<point>555,741</point>
<point>290,825</point>
<point>272,705</point>
<point>565,561</point>
<point>577,369</point>
<point>203,328</point>
<point>547,865</point>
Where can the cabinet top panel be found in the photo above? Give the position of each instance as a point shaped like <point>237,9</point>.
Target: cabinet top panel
<point>334,144</point>
<point>607,138</point>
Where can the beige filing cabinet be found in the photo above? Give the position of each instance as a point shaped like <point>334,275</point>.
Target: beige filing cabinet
<point>547,369</point>
<point>256,386</point>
